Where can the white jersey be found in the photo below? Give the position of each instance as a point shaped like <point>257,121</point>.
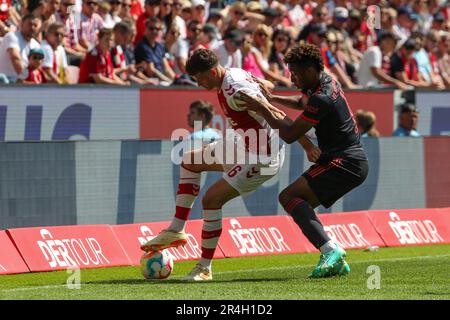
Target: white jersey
<point>237,80</point>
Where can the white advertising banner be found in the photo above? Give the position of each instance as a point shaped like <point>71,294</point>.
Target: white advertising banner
<point>434,109</point>
<point>78,113</point>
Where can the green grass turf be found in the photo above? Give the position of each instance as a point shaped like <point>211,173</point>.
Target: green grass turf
<point>421,272</point>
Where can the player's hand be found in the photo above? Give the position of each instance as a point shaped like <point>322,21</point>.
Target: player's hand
<point>313,154</point>
<point>251,103</point>
<point>264,90</point>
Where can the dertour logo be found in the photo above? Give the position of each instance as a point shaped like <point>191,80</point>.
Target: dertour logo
<point>347,235</point>
<point>71,252</point>
<point>414,231</point>
<point>257,240</point>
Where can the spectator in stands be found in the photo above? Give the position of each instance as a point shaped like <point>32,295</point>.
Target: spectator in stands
<point>406,21</point>
<point>210,36</point>
<point>407,122</point>
<point>374,69</point>
<point>165,14</point>
<point>15,48</point>
<point>151,10</point>
<point>151,54</point>
<point>49,14</point>
<point>229,50</point>
<point>125,10</point>
<point>185,47</point>
<point>177,19</point>
<point>122,55</point>
<point>319,16</point>
<point>186,10</point>
<point>97,66</point>
<point>199,11</point>
<point>33,73</point>
<point>366,122</point>
<point>103,10</point>
<point>74,50</point>
<point>55,58</point>
<point>424,64</point>
<point>443,56</point>
<point>202,111</point>
<point>90,24</point>
<point>404,66</point>
<point>249,62</point>
<point>114,13</point>
<point>136,9</point>
<point>281,40</point>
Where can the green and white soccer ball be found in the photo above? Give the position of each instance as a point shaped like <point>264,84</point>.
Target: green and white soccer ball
<point>156,264</point>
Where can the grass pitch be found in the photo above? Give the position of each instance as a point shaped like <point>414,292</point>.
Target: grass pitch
<point>421,272</point>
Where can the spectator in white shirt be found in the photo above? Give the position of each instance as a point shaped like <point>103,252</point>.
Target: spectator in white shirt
<point>15,47</point>
<point>229,50</point>
<point>372,72</point>
<point>55,58</point>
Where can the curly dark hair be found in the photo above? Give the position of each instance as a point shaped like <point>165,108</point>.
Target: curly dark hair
<point>200,61</point>
<point>305,55</point>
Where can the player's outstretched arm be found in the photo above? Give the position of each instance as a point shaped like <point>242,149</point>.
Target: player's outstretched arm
<point>289,131</point>
<point>297,102</point>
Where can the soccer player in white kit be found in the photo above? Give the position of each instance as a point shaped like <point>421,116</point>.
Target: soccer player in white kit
<point>240,177</point>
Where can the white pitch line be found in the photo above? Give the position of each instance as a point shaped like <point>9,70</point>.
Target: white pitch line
<point>243,271</point>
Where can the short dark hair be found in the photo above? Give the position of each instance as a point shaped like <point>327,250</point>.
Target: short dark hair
<point>103,32</point>
<point>154,20</point>
<point>305,55</point>
<point>55,26</point>
<point>408,107</point>
<point>201,60</point>
<point>122,27</point>
<point>204,107</point>
<point>29,16</point>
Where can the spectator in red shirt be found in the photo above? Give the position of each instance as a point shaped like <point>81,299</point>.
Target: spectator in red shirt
<point>33,74</point>
<point>151,11</point>
<point>97,66</point>
<point>404,66</point>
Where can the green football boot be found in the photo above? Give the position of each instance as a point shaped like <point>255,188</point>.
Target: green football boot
<point>328,262</point>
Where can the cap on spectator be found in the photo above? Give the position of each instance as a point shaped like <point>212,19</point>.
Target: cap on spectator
<point>254,6</point>
<point>439,17</point>
<point>410,44</point>
<point>341,13</point>
<point>198,3</point>
<point>215,13</point>
<point>236,37</point>
<point>319,28</point>
<point>408,107</point>
<point>210,30</point>
<point>36,51</point>
<point>271,12</point>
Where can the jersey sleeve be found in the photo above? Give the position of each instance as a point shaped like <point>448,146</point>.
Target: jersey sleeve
<point>318,107</point>
<point>245,85</point>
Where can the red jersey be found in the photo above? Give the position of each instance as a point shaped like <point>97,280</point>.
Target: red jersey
<point>140,28</point>
<point>236,80</point>
<point>34,76</point>
<point>96,63</point>
<point>5,5</point>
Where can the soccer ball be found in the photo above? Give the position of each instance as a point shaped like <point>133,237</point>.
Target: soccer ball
<point>156,264</point>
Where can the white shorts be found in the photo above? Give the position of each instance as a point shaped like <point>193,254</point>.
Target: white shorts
<point>245,176</point>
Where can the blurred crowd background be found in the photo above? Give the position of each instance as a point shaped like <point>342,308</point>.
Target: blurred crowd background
<point>399,43</point>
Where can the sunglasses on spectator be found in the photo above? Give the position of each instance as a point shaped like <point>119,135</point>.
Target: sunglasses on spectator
<point>166,4</point>
<point>175,33</point>
<point>154,29</point>
<point>67,4</point>
<point>196,29</point>
<point>321,14</point>
<point>59,34</point>
<point>177,4</point>
<point>116,2</point>
<point>127,5</point>
<point>261,34</point>
<point>239,13</point>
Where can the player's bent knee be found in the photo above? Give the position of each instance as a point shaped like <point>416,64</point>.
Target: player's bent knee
<point>212,200</point>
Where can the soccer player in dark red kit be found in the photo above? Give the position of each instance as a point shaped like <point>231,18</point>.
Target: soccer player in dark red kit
<point>342,165</point>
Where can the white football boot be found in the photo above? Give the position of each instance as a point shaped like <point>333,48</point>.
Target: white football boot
<point>165,239</point>
<point>199,273</point>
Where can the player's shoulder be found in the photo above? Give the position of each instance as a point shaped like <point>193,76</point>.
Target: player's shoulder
<point>235,80</point>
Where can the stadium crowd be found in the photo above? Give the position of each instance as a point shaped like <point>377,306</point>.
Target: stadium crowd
<point>397,43</point>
